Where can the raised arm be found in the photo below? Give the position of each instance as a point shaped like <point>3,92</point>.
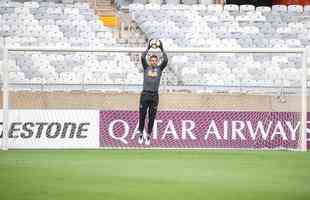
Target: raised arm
<point>144,54</point>
<point>165,61</point>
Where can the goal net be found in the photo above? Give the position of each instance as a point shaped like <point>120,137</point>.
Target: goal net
<point>87,98</point>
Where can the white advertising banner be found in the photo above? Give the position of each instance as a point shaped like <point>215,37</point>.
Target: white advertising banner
<point>52,129</point>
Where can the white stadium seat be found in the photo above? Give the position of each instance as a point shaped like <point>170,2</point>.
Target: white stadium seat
<point>296,9</point>
<point>247,8</point>
<point>279,8</point>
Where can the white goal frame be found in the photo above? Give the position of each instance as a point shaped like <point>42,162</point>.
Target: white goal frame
<point>302,143</point>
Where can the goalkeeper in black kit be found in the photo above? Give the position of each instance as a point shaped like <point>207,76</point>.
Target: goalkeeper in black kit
<point>152,71</point>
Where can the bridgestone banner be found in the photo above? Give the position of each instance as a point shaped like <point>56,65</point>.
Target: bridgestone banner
<point>52,129</point>
<point>204,129</point>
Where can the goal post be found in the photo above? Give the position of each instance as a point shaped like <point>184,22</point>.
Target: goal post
<point>303,138</point>
<point>5,98</point>
<point>304,52</point>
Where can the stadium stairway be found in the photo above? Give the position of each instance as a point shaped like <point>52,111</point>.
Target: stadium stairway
<point>107,12</point>
<point>103,7</point>
<point>128,32</point>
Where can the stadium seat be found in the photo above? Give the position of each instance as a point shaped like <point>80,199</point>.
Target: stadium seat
<point>214,8</point>
<point>206,2</point>
<point>226,17</point>
<point>293,43</point>
<point>139,2</point>
<point>307,9</point>
<point>247,8</point>
<point>263,9</point>
<point>231,8</point>
<point>279,8</point>
<point>295,9</point>
<point>189,2</point>
<point>199,7</point>
<point>152,6</point>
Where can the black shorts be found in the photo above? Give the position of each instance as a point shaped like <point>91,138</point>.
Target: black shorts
<point>151,97</point>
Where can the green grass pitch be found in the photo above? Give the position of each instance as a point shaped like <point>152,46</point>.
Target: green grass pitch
<point>153,175</point>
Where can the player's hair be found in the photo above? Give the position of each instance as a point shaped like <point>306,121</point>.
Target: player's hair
<point>153,56</point>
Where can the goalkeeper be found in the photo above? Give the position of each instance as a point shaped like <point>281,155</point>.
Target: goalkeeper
<point>152,71</point>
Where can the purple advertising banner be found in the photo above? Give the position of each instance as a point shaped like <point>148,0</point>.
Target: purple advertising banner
<point>203,129</point>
